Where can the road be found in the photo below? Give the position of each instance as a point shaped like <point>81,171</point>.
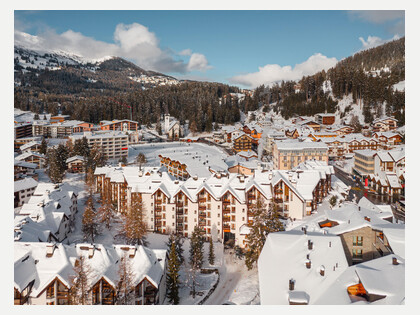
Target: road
<point>229,278</point>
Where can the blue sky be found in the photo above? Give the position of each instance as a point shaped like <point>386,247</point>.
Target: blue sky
<point>244,48</point>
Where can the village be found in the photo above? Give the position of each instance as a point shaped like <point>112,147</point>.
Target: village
<point>308,210</point>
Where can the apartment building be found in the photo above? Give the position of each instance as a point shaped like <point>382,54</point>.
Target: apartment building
<point>384,124</point>
<point>364,162</point>
<point>59,129</point>
<point>220,204</point>
<point>114,144</point>
<point>44,272</point>
<point>242,142</point>
<point>288,154</point>
<point>119,125</point>
<point>325,119</point>
<point>22,130</point>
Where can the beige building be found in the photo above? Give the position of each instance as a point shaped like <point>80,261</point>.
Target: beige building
<point>364,162</point>
<point>114,144</point>
<point>289,154</point>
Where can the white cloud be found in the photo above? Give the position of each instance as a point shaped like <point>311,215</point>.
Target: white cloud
<point>198,62</point>
<point>272,73</point>
<point>185,52</point>
<point>134,42</point>
<point>374,41</point>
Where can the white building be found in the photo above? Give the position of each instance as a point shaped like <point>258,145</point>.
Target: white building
<point>24,189</point>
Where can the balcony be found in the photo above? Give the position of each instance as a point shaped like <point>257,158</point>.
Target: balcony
<point>202,199</point>
<point>202,208</point>
<point>158,216</point>
<point>158,223</point>
<point>179,204</point>
<point>180,212</point>
<point>226,210</point>
<point>278,200</point>
<point>158,201</point>
<point>251,197</point>
<point>226,202</point>
<point>158,208</point>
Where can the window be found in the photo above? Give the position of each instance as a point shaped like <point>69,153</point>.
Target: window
<point>357,254</point>
<point>357,240</point>
<point>218,215</point>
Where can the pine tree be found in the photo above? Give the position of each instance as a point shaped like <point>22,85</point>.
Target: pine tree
<point>141,159</point>
<point>196,256</point>
<point>80,280</point>
<point>90,226</point>
<point>179,249</point>
<point>43,147</point>
<point>106,212</point>
<point>265,221</point>
<point>211,252</point>
<point>125,294</point>
<point>172,276</point>
<point>36,116</point>
<point>54,166</point>
<point>134,228</point>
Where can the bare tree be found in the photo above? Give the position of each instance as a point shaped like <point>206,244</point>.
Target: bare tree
<point>82,274</point>
<point>126,287</point>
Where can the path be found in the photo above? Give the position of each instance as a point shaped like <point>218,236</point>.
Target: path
<point>229,278</point>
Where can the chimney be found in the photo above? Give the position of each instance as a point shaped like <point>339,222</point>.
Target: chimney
<point>91,251</point>
<point>140,173</point>
<point>292,284</point>
<point>329,244</point>
<point>304,231</point>
<point>310,244</point>
<point>359,208</point>
<point>395,261</point>
<point>195,177</point>
<point>270,176</point>
<point>50,249</point>
<point>308,264</point>
<point>367,218</point>
<point>322,271</point>
<point>132,252</point>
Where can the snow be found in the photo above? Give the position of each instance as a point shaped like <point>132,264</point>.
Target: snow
<point>400,86</point>
<point>25,184</point>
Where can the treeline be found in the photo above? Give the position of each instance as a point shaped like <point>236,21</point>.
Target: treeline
<point>358,75</point>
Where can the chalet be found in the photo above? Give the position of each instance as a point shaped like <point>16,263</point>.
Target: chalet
<point>21,141</point>
<point>33,157</point>
<point>384,124</point>
<point>75,164</point>
<point>342,130</point>
<point>82,127</point>
<point>24,169</point>
<point>309,123</point>
<point>325,119</point>
<point>242,142</point>
<point>52,206</point>
<point>44,272</point>
<point>33,146</point>
<point>24,189</point>
<point>387,140</point>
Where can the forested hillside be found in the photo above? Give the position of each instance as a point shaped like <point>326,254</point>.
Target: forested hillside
<point>103,91</point>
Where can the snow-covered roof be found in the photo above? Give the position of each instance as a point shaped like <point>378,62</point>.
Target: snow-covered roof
<point>25,183</point>
<point>24,164</point>
<point>300,145</point>
<point>378,276</point>
<point>284,257</point>
<point>75,158</point>
<point>146,263</point>
<point>29,145</point>
<point>27,154</point>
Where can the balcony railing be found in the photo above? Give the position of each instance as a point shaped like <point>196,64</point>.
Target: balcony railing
<point>251,197</point>
<point>278,200</point>
<point>202,208</point>
<point>179,204</point>
<point>158,201</point>
<point>226,202</point>
<point>202,199</point>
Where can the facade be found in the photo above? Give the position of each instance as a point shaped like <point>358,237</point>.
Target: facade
<point>219,204</point>
<point>364,162</point>
<point>384,124</point>
<point>289,154</point>
<point>33,157</point>
<point>24,169</point>
<point>33,146</point>
<point>114,144</point>
<point>24,189</point>
<point>51,271</point>
<point>59,129</point>
<point>325,119</point>
<point>119,125</point>
<point>388,140</point>
<point>22,130</point>
<point>21,141</point>
<point>242,142</point>
<point>75,164</point>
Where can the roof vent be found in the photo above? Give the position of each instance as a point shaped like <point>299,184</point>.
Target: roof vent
<point>270,176</point>
<point>310,244</point>
<point>322,271</point>
<point>329,245</point>
<point>50,250</point>
<point>359,208</point>
<point>195,177</point>
<point>308,264</point>
<point>292,284</point>
<point>395,261</point>
<point>304,231</point>
<point>367,218</point>
<point>91,251</point>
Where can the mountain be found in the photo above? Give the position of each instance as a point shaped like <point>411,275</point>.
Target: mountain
<point>59,71</point>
